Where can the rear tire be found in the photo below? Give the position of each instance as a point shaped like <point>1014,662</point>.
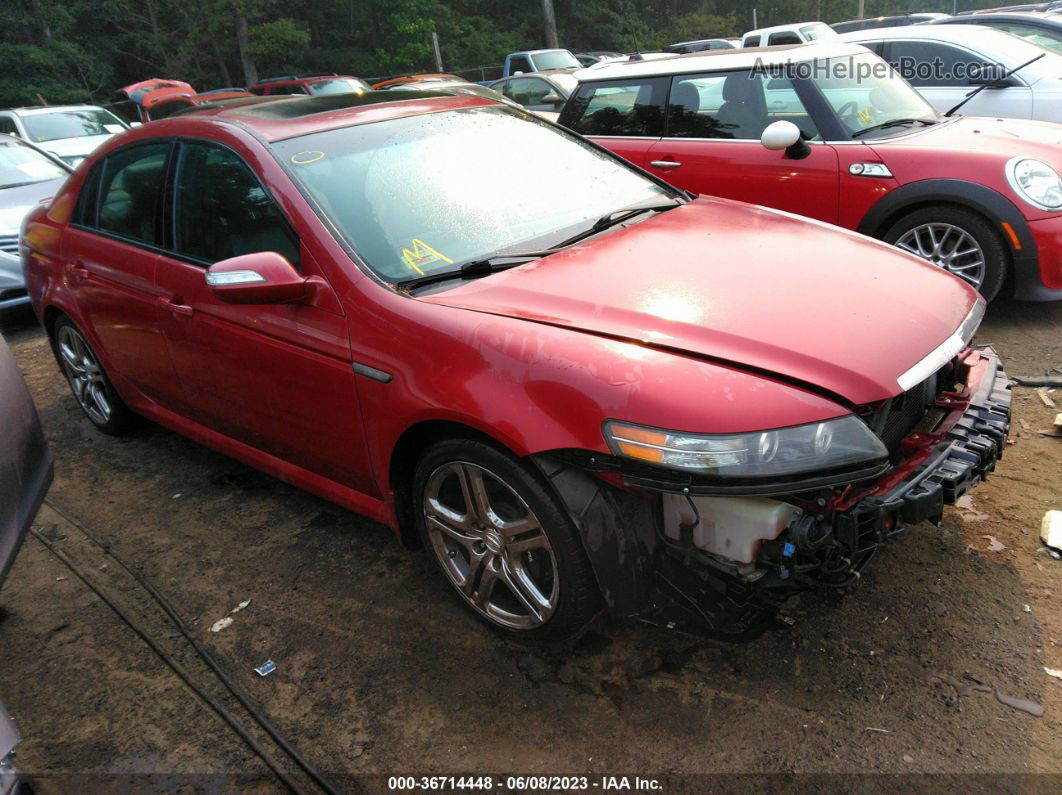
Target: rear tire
<point>957,240</point>
<point>503,541</point>
<point>92,389</point>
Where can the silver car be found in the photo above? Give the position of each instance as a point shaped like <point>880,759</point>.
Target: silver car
<point>27,177</point>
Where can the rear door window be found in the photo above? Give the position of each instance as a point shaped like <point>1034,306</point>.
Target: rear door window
<point>519,63</point>
<point>221,209</point>
<point>130,190</point>
<point>628,108</point>
<point>733,106</point>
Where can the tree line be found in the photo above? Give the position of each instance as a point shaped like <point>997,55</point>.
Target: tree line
<point>62,51</point>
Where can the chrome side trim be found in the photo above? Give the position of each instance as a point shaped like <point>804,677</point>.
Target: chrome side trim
<point>229,278</point>
<point>946,351</point>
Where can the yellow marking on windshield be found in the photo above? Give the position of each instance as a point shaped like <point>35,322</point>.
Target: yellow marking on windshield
<point>422,254</point>
<point>302,158</point>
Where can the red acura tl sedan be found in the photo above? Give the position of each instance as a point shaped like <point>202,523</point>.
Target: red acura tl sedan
<point>829,131</point>
<point>584,392</point>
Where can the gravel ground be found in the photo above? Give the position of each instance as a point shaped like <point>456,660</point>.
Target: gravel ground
<point>380,671</point>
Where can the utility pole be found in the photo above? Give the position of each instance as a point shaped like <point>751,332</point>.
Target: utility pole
<point>551,23</point>
<point>438,55</point>
<point>754,25</point>
<point>862,9</point>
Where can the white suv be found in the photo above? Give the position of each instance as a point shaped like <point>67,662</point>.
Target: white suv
<point>939,59</point>
<point>800,33</point>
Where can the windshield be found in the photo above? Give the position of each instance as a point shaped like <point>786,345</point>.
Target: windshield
<point>818,31</point>
<point>1042,37</point>
<point>21,165</point>
<point>339,85</point>
<point>424,194</point>
<point>865,92</point>
<point>43,127</point>
<point>555,59</point>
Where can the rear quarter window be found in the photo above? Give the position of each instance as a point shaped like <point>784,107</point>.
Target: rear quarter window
<point>629,108</point>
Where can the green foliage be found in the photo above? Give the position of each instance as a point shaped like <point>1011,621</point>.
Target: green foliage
<point>82,50</point>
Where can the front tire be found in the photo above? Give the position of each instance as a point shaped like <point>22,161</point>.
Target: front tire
<point>957,240</point>
<point>503,541</point>
<point>92,388</point>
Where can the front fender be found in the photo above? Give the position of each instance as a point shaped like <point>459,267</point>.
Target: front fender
<point>974,196</point>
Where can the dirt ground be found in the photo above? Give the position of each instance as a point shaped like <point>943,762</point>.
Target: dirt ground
<point>380,670</point>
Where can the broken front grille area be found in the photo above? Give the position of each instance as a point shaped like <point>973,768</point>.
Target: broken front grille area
<point>913,410</point>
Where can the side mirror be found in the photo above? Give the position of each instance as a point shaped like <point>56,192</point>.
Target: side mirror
<point>264,277</point>
<point>552,98</point>
<point>785,135</point>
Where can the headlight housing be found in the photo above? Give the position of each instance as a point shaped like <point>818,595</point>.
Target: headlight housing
<point>1035,182</point>
<point>799,449</point>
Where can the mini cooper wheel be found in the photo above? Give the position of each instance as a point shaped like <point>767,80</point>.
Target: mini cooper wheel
<point>503,541</point>
<point>957,240</point>
<point>92,389</point>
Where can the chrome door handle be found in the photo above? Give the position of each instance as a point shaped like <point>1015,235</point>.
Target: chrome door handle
<point>664,163</point>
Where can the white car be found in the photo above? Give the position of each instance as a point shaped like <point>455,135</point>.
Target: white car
<point>938,60</point>
<point>70,132</point>
<point>27,177</point>
<point>800,33</point>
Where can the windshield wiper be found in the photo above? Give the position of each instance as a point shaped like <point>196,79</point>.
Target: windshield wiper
<point>19,184</point>
<point>893,123</point>
<point>501,262</point>
<point>617,217</point>
<point>983,86</point>
<point>477,267</point>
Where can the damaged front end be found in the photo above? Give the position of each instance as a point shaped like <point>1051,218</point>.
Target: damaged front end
<point>686,552</point>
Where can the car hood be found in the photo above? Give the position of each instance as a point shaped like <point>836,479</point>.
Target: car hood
<point>742,285</point>
<point>985,135</point>
<point>81,146</point>
<point>15,203</point>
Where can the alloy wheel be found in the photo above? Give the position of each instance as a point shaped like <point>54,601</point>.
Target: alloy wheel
<point>949,247</point>
<point>491,545</point>
<point>85,375</point>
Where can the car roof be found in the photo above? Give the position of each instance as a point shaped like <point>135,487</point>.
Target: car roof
<point>721,60</point>
<point>39,109</point>
<point>794,26</point>
<point>289,116</point>
<point>933,31</point>
<point>1031,17</point>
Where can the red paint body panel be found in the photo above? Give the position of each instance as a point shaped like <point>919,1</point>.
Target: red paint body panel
<point>714,252</point>
<point>745,171</point>
<point>535,357</point>
<point>967,149</point>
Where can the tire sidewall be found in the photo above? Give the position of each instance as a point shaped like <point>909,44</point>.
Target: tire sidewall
<point>978,227</point>
<point>577,589</point>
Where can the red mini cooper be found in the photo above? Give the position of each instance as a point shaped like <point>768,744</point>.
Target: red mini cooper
<point>583,392</point>
<point>829,131</point>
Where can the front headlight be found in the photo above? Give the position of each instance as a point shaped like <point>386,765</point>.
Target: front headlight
<point>841,442</point>
<point>1035,182</point>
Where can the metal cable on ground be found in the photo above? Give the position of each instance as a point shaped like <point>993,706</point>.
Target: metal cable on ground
<point>206,656</point>
<point>223,713</point>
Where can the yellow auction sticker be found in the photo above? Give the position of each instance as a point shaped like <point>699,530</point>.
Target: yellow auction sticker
<point>309,156</point>
<point>422,254</point>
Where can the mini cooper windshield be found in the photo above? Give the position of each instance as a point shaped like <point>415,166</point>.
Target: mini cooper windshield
<point>870,98</point>
<point>423,195</point>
